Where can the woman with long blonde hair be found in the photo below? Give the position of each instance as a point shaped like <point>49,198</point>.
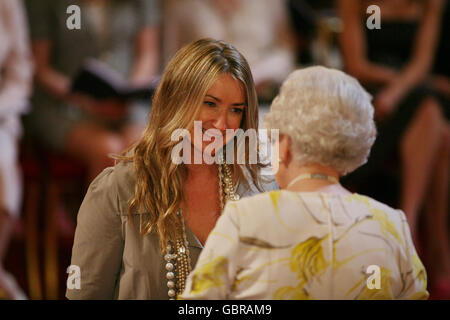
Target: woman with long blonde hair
<point>144,221</point>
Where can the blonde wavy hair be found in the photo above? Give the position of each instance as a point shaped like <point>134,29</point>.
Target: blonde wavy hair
<point>329,117</point>
<point>176,104</point>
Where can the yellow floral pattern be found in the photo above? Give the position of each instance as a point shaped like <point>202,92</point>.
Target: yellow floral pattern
<point>209,275</point>
<point>307,259</point>
<point>385,291</point>
<point>253,252</point>
<point>386,226</point>
<point>419,271</point>
<point>291,293</point>
<point>274,196</point>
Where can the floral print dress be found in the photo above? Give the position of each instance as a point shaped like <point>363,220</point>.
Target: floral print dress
<point>308,245</point>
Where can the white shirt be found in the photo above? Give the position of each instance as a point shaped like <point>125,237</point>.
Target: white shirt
<point>16,68</point>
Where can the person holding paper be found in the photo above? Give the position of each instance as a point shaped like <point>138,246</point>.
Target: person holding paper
<point>121,34</point>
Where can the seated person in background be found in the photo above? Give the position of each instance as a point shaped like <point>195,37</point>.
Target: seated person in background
<point>16,72</point>
<point>440,77</point>
<point>123,35</point>
<point>258,28</point>
<point>394,63</point>
<point>313,239</point>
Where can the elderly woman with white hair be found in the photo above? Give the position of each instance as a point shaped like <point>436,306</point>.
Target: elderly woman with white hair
<point>313,239</point>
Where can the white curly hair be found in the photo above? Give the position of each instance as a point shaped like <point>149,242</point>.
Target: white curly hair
<point>328,116</point>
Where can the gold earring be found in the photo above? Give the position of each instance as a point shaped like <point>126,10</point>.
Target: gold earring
<point>280,160</point>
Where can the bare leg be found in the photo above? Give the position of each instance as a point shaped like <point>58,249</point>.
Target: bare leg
<point>436,214</point>
<point>6,229</point>
<point>7,283</point>
<point>93,145</point>
<point>10,199</point>
<point>418,149</point>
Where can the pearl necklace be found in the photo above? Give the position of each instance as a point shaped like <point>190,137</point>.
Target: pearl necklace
<point>178,264</point>
<point>181,265</point>
<point>305,176</point>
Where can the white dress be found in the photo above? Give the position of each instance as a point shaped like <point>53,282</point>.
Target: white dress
<point>288,245</point>
<point>16,73</point>
<point>257,28</point>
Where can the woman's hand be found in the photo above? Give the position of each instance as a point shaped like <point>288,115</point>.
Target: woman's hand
<point>441,83</point>
<point>418,66</point>
<point>387,100</point>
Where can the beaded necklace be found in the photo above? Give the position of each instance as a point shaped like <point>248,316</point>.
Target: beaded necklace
<point>178,261</point>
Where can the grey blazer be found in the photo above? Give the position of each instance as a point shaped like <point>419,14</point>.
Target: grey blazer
<point>115,261</point>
